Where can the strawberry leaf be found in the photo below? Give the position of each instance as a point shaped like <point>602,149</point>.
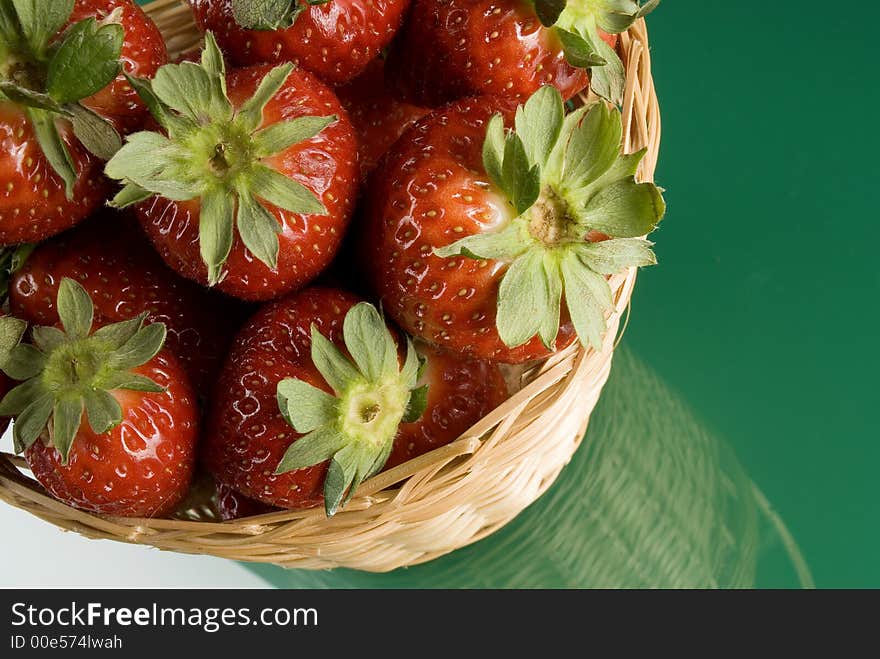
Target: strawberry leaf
<point>250,114</point>
<point>96,133</point>
<point>539,122</point>
<point>624,209</point>
<point>340,477</point>
<point>609,79</point>
<point>593,147</point>
<point>609,257</point>
<point>53,147</point>
<point>193,92</point>
<point>313,448</point>
<point>529,299</point>
<point>281,136</point>
<point>23,362</point>
<point>258,229</point>
<point>369,342</point>
<point>140,348</point>
<point>284,192</point>
<point>548,11</point>
<point>586,294</point>
<point>41,20</point>
<point>30,98</point>
<point>103,410</point>
<point>215,231</point>
<point>75,309</point>
<point>31,422</point>
<point>493,150</point>
<point>66,419</point>
<point>304,406</point>
<point>579,50</point>
<point>336,368</point>
<point>522,183</point>
<point>11,331</point>
<point>267,14</point>
<point>508,243</point>
<point>418,403</point>
<point>86,61</point>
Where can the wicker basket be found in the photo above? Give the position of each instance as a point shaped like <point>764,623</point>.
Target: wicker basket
<point>433,504</point>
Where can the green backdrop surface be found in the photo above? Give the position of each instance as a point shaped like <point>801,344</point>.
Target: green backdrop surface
<point>756,332</point>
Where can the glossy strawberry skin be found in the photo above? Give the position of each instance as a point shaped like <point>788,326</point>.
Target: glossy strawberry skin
<point>431,190</point>
<point>460,393</point>
<point>142,467</point>
<point>449,49</point>
<point>326,164</point>
<point>33,205</point>
<point>335,41</point>
<point>246,435</point>
<point>112,259</point>
<point>376,115</point>
<point>234,505</point>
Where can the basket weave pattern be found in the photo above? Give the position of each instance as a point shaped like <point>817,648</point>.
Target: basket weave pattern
<point>433,504</point>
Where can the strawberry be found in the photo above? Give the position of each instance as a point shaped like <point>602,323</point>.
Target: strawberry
<point>234,505</point>
<point>331,365</point>
<point>475,235</point>
<point>63,97</point>
<point>111,258</point>
<point>453,48</point>
<point>106,418</point>
<point>461,391</point>
<point>266,151</point>
<point>334,39</point>
<point>376,115</point>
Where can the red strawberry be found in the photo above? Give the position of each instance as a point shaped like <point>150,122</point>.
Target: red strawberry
<point>460,392</point>
<point>251,184</point>
<point>62,99</point>
<point>334,39</point>
<point>111,258</point>
<point>107,420</point>
<point>475,235</point>
<point>234,505</point>
<point>378,117</point>
<point>338,419</point>
<point>453,48</point>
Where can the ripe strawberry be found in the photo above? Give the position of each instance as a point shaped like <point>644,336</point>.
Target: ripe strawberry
<point>62,100</point>
<point>111,258</point>
<point>106,419</point>
<point>234,505</point>
<point>250,151</point>
<point>474,235</point>
<point>338,418</point>
<point>334,39</point>
<point>461,391</point>
<point>448,49</point>
<point>376,115</point>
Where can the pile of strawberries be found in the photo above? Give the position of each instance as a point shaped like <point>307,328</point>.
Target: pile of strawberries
<point>192,251</point>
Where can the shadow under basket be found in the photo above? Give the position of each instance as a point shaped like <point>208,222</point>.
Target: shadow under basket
<point>438,502</point>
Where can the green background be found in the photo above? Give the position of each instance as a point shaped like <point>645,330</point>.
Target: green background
<point>755,332</point>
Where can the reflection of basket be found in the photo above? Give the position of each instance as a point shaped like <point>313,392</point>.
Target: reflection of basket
<point>438,502</point>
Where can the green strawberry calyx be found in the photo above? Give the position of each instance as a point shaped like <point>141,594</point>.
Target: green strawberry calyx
<point>72,370</point>
<point>270,14</point>
<point>355,428</point>
<point>567,183</point>
<point>216,153</point>
<point>49,76</point>
<point>577,23</point>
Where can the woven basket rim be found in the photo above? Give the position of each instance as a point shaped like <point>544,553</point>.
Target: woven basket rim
<point>421,509</point>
